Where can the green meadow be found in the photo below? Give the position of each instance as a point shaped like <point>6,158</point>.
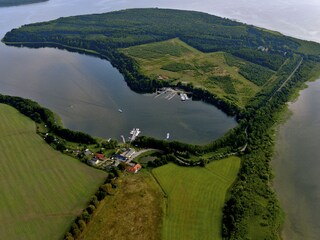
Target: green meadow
<point>175,61</point>
<point>195,198</point>
<point>42,190</point>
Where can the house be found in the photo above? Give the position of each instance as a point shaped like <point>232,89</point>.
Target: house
<point>130,153</point>
<point>99,156</point>
<point>134,169</point>
<point>94,161</point>
<point>87,152</point>
<point>119,157</point>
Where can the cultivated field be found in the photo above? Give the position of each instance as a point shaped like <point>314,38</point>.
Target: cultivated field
<point>175,61</point>
<point>42,190</point>
<point>195,198</point>
<point>133,213</point>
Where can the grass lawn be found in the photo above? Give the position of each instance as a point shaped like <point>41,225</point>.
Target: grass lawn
<point>42,190</point>
<point>196,197</point>
<point>175,61</point>
<point>134,212</point>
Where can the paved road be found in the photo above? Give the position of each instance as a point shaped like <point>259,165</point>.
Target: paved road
<point>290,76</point>
<point>136,154</point>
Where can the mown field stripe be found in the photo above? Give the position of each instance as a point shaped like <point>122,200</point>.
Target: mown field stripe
<point>195,198</point>
<point>42,190</point>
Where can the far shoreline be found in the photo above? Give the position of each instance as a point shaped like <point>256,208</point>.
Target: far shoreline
<point>280,159</point>
<point>4,3</point>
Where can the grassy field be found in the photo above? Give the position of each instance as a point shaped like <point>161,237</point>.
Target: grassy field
<point>134,212</point>
<point>42,190</point>
<point>175,61</point>
<point>196,197</point>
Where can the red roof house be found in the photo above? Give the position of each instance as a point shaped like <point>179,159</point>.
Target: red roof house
<point>134,169</point>
<point>99,156</point>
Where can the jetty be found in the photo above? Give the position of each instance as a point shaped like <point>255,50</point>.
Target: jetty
<point>134,134</point>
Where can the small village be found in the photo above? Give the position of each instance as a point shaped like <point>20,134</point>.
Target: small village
<point>106,159</point>
<point>123,156</point>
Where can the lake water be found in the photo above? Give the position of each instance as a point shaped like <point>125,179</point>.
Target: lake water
<point>297,165</point>
<point>87,92</point>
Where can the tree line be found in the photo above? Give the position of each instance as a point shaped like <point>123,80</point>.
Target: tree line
<point>81,221</point>
<point>43,115</point>
<point>253,183</point>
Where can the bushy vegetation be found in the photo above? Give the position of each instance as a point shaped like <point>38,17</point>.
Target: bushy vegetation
<point>194,69</point>
<point>177,67</point>
<point>81,221</point>
<point>255,73</point>
<point>135,211</point>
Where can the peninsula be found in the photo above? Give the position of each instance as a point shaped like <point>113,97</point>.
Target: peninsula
<point>248,72</point>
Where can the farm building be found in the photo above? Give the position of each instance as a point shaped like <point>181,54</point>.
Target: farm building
<point>99,156</point>
<point>119,157</point>
<point>134,169</point>
<point>94,161</point>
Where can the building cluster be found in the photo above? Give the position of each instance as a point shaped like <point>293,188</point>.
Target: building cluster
<point>99,160</point>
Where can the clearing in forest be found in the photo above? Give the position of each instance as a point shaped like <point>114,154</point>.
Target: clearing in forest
<point>220,73</point>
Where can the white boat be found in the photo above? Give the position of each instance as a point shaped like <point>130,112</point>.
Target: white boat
<point>120,111</point>
<point>168,135</point>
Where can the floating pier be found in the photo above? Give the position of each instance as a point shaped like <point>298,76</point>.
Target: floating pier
<point>134,134</point>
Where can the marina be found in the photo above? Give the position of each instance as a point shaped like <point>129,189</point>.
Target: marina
<point>134,134</point>
<point>184,97</point>
<point>170,93</point>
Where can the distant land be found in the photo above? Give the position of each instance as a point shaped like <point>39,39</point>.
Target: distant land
<point>229,60</point>
<point>7,3</point>
<point>246,71</point>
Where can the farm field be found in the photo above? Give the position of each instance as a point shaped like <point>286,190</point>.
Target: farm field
<point>195,198</point>
<point>134,212</point>
<point>175,61</point>
<point>42,190</point>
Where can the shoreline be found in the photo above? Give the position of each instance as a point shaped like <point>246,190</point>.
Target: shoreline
<point>5,5</point>
<point>285,171</point>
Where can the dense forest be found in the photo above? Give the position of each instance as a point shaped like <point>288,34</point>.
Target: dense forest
<point>276,63</point>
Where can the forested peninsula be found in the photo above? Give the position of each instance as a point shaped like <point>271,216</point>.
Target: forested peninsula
<point>246,71</point>
<point>7,3</point>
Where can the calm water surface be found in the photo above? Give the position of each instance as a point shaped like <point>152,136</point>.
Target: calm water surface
<point>297,165</point>
<point>87,92</point>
